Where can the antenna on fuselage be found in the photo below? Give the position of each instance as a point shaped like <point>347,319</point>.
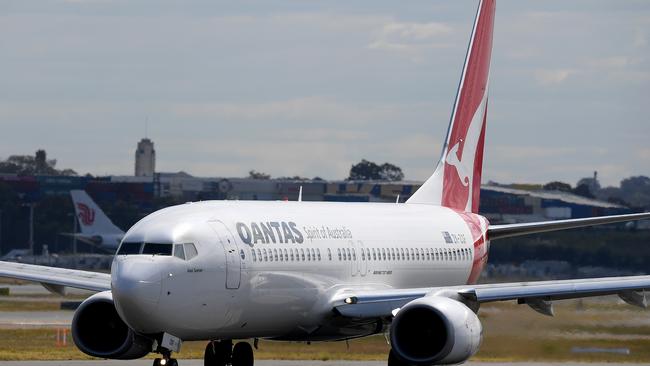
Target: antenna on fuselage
<point>300,194</point>
<point>397,200</point>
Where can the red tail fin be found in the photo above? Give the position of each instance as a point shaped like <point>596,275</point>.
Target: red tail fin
<point>456,182</point>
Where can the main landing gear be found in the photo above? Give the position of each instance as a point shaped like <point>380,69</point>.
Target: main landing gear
<point>222,353</point>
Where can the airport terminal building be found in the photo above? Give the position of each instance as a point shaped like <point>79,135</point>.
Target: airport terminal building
<point>501,204</point>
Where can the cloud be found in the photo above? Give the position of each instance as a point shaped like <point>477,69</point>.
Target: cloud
<point>297,110</point>
<point>612,62</point>
<point>640,39</point>
<point>408,37</point>
<point>548,77</point>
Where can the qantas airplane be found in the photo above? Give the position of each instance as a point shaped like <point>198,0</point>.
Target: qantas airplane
<point>96,227</point>
<point>220,271</point>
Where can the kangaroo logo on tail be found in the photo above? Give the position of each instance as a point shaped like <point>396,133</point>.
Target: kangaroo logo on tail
<point>86,214</point>
<point>453,160</point>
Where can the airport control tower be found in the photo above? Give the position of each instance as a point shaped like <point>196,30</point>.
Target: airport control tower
<point>145,159</point>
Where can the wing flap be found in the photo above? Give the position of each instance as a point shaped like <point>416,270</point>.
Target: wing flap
<point>56,278</point>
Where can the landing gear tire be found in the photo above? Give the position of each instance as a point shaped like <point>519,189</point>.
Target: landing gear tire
<point>394,360</point>
<point>217,353</point>
<point>242,355</point>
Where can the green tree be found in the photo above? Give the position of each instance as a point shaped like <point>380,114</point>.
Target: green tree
<point>258,175</point>
<point>558,186</point>
<point>368,170</point>
<point>33,165</point>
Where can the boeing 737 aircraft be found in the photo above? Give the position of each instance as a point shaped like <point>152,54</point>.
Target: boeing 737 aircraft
<point>323,271</point>
<point>96,227</point>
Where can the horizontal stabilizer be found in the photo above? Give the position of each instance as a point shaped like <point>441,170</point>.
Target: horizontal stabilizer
<point>509,230</point>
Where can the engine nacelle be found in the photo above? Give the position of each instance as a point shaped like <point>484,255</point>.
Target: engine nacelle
<point>435,330</point>
<point>98,331</point>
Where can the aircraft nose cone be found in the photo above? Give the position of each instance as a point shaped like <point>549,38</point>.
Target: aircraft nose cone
<point>136,286</point>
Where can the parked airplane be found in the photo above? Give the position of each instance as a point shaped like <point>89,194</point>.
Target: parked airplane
<point>96,227</point>
<point>317,271</point>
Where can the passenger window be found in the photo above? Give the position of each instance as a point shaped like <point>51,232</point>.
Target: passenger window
<point>266,258</point>
<point>368,254</point>
<point>363,255</point>
<point>374,254</point>
<point>318,252</point>
<point>253,255</point>
<point>242,254</point>
<point>178,251</point>
<point>308,254</point>
<point>383,254</point>
<point>291,253</point>
<point>302,254</point>
<point>329,253</point>
<point>338,251</point>
<point>349,255</point>
<point>129,248</point>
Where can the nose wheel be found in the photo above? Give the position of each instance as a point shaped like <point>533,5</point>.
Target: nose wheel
<point>222,353</point>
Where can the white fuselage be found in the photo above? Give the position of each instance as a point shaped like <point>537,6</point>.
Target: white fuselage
<point>269,269</point>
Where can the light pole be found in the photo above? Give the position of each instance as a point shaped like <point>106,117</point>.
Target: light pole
<point>74,233</point>
<point>31,227</point>
<point>0,232</point>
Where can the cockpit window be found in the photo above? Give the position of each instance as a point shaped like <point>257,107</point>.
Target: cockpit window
<point>178,251</point>
<point>190,251</point>
<point>129,248</point>
<point>157,249</point>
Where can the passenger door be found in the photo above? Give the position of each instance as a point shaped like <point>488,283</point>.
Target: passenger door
<point>363,258</point>
<point>355,260</point>
<point>233,261</point>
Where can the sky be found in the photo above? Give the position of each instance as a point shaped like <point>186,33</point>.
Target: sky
<point>310,88</point>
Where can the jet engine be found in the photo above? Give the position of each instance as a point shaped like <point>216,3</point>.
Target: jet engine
<point>435,330</point>
<point>98,331</point>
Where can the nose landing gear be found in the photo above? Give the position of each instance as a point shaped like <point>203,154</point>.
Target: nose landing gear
<point>222,353</point>
<point>166,361</point>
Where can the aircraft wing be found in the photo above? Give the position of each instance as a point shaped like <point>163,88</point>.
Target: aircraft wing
<point>538,294</point>
<point>56,279</point>
<point>505,231</point>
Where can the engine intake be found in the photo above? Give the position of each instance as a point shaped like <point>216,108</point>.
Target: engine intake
<point>435,330</point>
<point>98,331</point>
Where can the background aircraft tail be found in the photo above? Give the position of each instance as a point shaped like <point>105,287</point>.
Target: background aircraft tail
<point>456,182</point>
<point>92,220</point>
